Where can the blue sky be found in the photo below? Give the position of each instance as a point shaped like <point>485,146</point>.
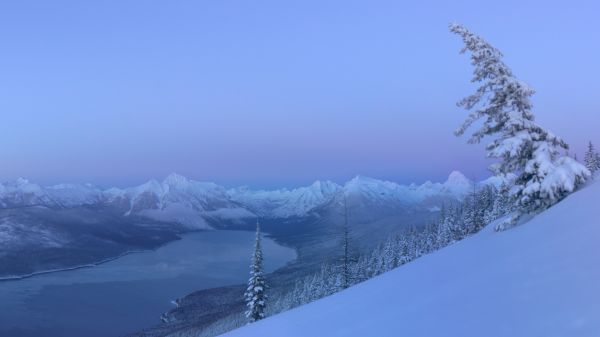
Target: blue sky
<point>273,93</point>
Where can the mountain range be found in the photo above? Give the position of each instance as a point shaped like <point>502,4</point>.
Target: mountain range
<point>188,202</point>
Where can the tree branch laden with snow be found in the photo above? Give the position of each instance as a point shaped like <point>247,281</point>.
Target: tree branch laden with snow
<point>255,293</point>
<point>522,147</point>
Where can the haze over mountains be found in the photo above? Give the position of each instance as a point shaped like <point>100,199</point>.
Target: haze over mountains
<point>177,194</point>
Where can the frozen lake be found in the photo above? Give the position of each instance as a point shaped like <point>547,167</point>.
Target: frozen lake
<point>129,293</point>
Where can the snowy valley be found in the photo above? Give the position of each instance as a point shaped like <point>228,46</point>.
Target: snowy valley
<point>276,96</point>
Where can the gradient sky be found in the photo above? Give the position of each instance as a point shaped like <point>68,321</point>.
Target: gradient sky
<point>273,93</point>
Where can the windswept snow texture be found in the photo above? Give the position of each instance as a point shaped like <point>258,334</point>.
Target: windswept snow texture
<point>538,279</point>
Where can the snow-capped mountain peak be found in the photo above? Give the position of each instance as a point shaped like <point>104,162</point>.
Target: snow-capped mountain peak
<point>458,184</point>
<point>457,178</point>
<point>361,181</point>
<point>22,192</point>
<point>371,188</point>
<point>23,185</point>
<point>177,181</point>
<point>152,186</point>
<point>324,188</point>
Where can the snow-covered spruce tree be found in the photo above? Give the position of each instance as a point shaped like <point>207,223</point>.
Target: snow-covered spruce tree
<point>488,196</point>
<point>255,293</point>
<point>591,159</point>
<point>522,146</point>
<point>502,202</point>
<point>444,229</point>
<point>346,260</point>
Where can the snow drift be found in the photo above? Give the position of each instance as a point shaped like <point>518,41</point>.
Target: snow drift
<point>538,279</point>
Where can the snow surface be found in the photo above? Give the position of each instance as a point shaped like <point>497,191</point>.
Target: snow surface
<point>538,279</point>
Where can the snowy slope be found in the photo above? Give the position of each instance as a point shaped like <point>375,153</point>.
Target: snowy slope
<point>538,279</point>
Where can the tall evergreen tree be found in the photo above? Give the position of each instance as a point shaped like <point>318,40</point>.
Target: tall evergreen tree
<point>591,159</point>
<point>522,146</point>
<point>444,229</point>
<point>346,260</point>
<point>255,293</point>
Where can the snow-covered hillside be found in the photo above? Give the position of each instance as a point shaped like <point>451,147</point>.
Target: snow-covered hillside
<point>538,279</point>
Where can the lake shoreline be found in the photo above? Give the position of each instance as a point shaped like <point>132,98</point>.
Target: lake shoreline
<point>140,287</point>
<point>83,266</point>
<point>109,259</point>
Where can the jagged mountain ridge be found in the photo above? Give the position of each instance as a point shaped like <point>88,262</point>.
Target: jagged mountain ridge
<point>186,201</point>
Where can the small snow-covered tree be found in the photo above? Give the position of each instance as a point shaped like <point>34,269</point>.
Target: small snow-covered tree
<point>255,293</point>
<point>591,159</point>
<point>521,145</point>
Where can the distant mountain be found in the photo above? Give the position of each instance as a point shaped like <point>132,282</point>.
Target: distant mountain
<point>284,203</point>
<point>457,186</point>
<point>192,203</point>
<point>176,199</point>
<point>21,192</point>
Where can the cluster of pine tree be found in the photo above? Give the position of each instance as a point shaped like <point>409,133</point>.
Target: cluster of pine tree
<point>456,222</point>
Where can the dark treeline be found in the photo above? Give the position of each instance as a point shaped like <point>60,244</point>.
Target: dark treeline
<point>456,221</point>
